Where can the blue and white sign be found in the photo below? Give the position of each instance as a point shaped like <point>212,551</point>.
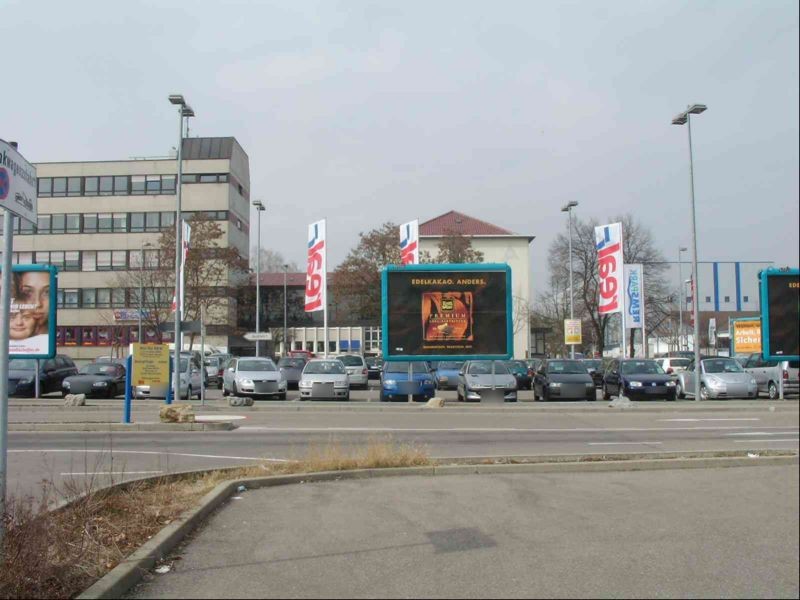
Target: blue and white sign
<point>17,183</point>
<point>634,296</point>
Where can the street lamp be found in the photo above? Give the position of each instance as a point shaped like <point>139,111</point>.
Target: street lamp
<point>285,338</point>
<point>141,291</point>
<point>259,206</point>
<point>681,298</point>
<point>684,118</point>
<point>567,208</point>
<point>184,111</point>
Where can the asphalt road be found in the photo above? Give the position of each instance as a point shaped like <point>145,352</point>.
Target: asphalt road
<point>285,431</point>
<point>653,534</point>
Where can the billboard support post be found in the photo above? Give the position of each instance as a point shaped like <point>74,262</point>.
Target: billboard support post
<point>126,417</point>
<point>5,315</point>
<point>410,381</point>
<point>36,383</point>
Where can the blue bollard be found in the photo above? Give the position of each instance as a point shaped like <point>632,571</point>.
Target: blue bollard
<point>128,367</point>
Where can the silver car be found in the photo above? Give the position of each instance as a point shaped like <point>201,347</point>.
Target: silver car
<point>190,381</point>
<point>253,377</point>
<point>325,378</point>
<point>769,373</point>
<point>292,369</point>
<point>486,380</point>
<point>356,370</point>
<point>720,377</point>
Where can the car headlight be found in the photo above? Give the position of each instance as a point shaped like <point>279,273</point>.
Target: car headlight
<point>390,383</point>
<point>65,384</point>
<point>670,384</point>
<point>713,381</point>
<point>635,384</point>
<point>100,384</point>
<point>753,382</point>
<point>26,381</point>
<point>246,381</point>
<point>555,384</point>
<point>304,383</point>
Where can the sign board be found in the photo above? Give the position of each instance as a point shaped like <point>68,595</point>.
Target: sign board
<point>572,332</point>
<point>316,275</point>
<point>634,301</point>
<point>780,314</point>
<point>258,337</point>
<point>150,364</point>
<point>447,311</point>
<point>745,336</point>
<point>186,326</point>
<point>17,184</point>
<point>608,241</point>
<point>32,321</point>
<point>130,315</point>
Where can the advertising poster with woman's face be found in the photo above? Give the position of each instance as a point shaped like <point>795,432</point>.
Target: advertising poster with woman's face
<point>29,322</point>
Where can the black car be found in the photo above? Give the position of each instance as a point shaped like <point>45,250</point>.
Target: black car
<point>559,379</point>
<point>102,380</point>
<point>638,379</point>
<point>374,366</point>
<point>595,368</point>
<point>52,372</point>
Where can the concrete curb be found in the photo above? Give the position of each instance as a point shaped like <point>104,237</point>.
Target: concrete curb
<point>129,572</point>
<point>123,427</point>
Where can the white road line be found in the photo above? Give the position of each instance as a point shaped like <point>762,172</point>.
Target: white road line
<point>764,441</point>
<point>90,473</point>
<point>698,420</point>
<point>213,418</point>
<point>761,433</point>
<point>150,452</point>
<point>621,443</point>
<point>488,429</point>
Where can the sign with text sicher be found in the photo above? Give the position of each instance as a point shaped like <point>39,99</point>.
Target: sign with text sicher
<point>150,364</point>
<point>745,336</point>
<point>447,311</point>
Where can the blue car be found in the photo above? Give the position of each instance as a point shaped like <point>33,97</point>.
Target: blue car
<point>446,374</point>
<point>638,379</point>
<point>395,384</point>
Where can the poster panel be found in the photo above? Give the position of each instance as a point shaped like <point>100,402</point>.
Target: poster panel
<point>32,320</point>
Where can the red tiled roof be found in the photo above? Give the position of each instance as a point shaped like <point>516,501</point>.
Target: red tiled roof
<point>456,222</point>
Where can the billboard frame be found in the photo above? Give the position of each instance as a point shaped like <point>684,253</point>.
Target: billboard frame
<point>53,309</point>
<point>446,267</point>
<point>763,276</point>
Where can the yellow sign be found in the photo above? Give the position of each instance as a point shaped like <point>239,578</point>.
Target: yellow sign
<point>572,332</point>
<point>747,336</point>
<point>150,364</point>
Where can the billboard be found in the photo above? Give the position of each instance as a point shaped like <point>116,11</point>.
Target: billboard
<point>780,314</point>
<point>572,332</point>
<point>409,243</point>
<point>608,241</point>
<point>442,311</point>
<point>32,322</point>
<point>17,183</point>
<point>745,336</point>
<point>634,302</point>
<point>316,276</point>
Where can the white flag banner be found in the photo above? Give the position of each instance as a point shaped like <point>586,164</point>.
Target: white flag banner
<point>179,298</point>
<point>316,276</point>
<point>608,241</point>
<point>409,243</point>
<point>634,302</point>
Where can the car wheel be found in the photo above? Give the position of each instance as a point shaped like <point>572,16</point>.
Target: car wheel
<point>606,395</point>
<point>112,391</point>
<point>535,395</point>
<point>703,392</point>
<point>188,395</point>
<point>282,396</point>
<point>773,391</point>
<point>679,390</point>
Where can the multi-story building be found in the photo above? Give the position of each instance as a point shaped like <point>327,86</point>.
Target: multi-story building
<point>102,219</point>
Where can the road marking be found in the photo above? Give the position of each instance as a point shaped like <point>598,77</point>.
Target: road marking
<point>90,473</point>
<point>489,429</point>
<point>621,443</point>
<point>211,418</point>
<point>762,433</point>
<point>151,452</point>
<point>697,420</point>
<point>763,441</point>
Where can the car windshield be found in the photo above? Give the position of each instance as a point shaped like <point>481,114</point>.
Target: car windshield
<point>595,364</point>
<point>402,367</point>
<point>484,367</point>
<point>324,367</point>
<point>212,362</point>
<point>566,367</point>
<point>22,364</point>
<point>517,364</point>
<point>256,365</point>
<point>97,370</point>
<point>351,361</point>
<point>449,365</point>
<point>641,367</point>
<point>722,365</point>
<point>184,364</point>
<point>292,363</point>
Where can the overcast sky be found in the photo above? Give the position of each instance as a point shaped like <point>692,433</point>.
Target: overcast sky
<point>364,112</point>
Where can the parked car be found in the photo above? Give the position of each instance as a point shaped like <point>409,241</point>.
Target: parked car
<point>637,379</point>
<point>564,379</point>
<point>374,365</point>
<point>486,380</point>
<point>326,379</point>
<point>446,375</point>
<point>396,384</point>
<point>307,354</point>
<point>52,372</point>
<point>103,380</point>
<point>292,369</point>
<point>674,365</point>
<point>189,385</point>
<point>720,377</point>
<point>255,377</point>
<point>594,366</point>
<point>356,369</point>
<point>769,373</point>
<point>215,370</point>
<point>519,369</point>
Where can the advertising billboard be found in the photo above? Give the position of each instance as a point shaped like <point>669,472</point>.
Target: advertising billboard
<point>32,322</point>
<point>608,241</point>
<point>572,332</point>
<point>780,314</point>
<point>745,336</point>
<point>316,275</point>
<point>447,311</point>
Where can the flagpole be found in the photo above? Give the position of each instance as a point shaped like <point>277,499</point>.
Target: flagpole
<point>325,284</point>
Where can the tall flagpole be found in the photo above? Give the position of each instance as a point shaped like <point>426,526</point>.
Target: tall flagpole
<point>325,283</point>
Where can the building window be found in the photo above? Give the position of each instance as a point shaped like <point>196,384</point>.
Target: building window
<point>60,298</point>
<point>137,185</point>
<point>746,298</point>
<point>119,260</point>
<point>74,186</point>
<point>167,220</point>
<point>121,185</point>
<point>91,186</point>
<point>43,224</point>
<point>72,261</point>
<point>57,259</point>
<point>708,298</point>
<point>88,297</point>
<point>45,187</point>
<point>89,262</point>
<point>73,223</point>
<point>168,184</point>
<point>106,185</point>
<point>58,223</point>
<point>90,223</point>
<point>151,259</point>
<point>59,186</point>
<point>727,298</point>
<point>42,258</point>
<point>120,222</point>
<point>135,259</point>
<point>103,298</point>
<point>118,298</point>
<point>208,179</point>
<point>104,260</point>
<point>25,227</point>
<point>71,298</point>
<point>188,178</point>
<point>24,258</point>
<point>104,223</point>
<point>151,222</point>
<point>153,184</point>
<point>137,222</point>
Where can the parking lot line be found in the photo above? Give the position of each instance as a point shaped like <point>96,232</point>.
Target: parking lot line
<point>621,443</point>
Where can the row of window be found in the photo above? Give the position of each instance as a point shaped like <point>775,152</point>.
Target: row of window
<point>92,260</point>
<point>109,335</point>
<point>112,297</point>
<point>136,222</point>
<point>119,185</point>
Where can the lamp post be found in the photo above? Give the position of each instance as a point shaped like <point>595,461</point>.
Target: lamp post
<point>567,208</point>
<point>141,288</point>
<point>684,118</point>
<point>259,206</point>
<point>285,330</point>
<point>681,298</point>
<point>184,111</point>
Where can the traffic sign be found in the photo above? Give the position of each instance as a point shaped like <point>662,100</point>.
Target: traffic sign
<point>17,183</point>
<point>258,337</point>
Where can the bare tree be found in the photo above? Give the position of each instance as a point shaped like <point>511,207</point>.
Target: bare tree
<point>272,261</point>
<point>453,248</point>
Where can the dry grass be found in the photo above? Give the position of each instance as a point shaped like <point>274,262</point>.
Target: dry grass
<point>59,553</point>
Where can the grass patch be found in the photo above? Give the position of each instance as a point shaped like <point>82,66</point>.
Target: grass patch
<point>59,553</point>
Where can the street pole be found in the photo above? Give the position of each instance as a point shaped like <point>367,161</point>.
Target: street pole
<point>285,330</point>
<point>202,355</point>
<point>5,314</point>
<point>259,206</point>
<point>568,209</point>
<point>681,298</point>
